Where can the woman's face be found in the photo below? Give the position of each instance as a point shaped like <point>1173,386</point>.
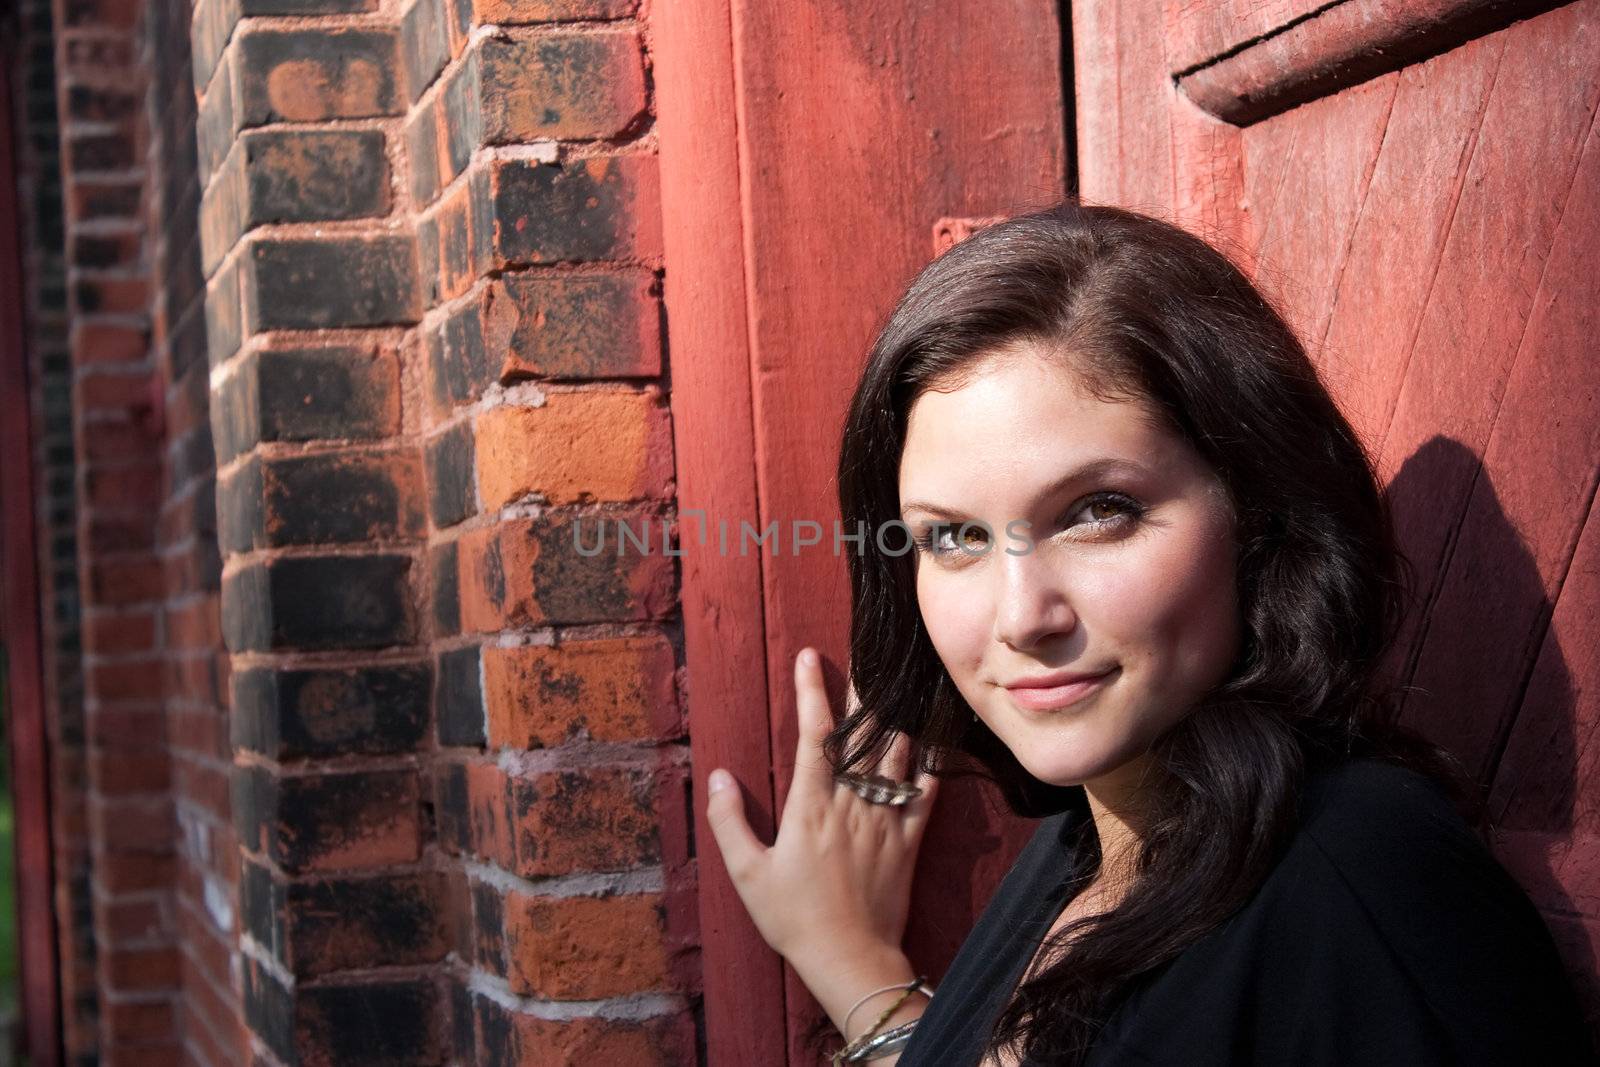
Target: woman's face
<point>1109,607</point>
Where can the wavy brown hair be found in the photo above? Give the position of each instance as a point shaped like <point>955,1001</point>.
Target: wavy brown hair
<point>1143,309</point>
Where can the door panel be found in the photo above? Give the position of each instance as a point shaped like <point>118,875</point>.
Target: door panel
<point>1416,184</point>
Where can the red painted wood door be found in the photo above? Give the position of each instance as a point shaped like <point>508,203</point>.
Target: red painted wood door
<point>809,150</point>
<point>1419,185</point>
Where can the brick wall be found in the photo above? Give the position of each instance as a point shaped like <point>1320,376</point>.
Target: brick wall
<point>560,787</point>
<point>118,433</point>
<point>362,324</point>
<point>31,48</point>
<point>208,1023</point>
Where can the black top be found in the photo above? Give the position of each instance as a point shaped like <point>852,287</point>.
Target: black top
<point>1387,934</point>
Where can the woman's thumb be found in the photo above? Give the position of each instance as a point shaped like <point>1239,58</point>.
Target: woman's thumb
<point>725,812</point>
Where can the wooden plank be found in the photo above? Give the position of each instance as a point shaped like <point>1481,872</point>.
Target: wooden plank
<point>723,631</point>
<point>1324,50</point>
<point>39,980</point>
<point>861,125</point>
<point>1522,169</point>
<point>1528,502</point>
<point>1124,105</point>
<point>1311,168</point>
<point>1400,233</point>
<point>1545,816</point>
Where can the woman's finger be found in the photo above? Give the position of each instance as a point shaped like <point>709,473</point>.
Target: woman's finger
<point>921,807</point>
<point>741,849</point>
<point>813,775</point>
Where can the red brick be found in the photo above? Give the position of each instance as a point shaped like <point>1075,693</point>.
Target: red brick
<point>585,948</point>
<point>132,823</point>
<point>122,773</point>
<point>113,295</point>
<point>576,448</point>
<point>105,343</point>
<point>140,968</point>
<point>138,1022</point>
<point>569,86</point>
<point>125,580</point>
<point>107,634</point>
<point>122,487</point>
<point>140,680</point>
<point>615,689</point>
<point>131,872</point>
<point>529,572</point>
<point>512,1039</point>
<point>513,11</point>
<point>561,822</point>
<point>314,75</point>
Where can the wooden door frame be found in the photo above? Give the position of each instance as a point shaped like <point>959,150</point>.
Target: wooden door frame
<point>724,631</point>
<point>23,632</point>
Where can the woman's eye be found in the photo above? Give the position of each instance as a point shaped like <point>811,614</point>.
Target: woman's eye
<point>943,540</point>
<point>1107,511</point>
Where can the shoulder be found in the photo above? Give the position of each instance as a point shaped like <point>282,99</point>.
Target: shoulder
<point>1369,816</point>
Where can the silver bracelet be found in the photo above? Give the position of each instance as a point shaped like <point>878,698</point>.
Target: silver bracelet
<point>891,1040</point>
<point>917,984</point>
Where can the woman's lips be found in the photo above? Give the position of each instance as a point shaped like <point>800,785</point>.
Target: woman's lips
<point>1056,697</point>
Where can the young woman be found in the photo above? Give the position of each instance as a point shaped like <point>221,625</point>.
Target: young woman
<point>1151,580</point>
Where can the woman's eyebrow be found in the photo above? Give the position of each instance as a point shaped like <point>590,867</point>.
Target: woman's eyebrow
<point>1098,468</point>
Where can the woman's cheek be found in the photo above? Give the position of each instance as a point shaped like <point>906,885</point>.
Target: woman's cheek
<point>954,620</point>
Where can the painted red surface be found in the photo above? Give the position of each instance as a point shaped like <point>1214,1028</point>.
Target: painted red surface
<point>808,152</point>
<point>1416,185</point>
<point>20,628</point>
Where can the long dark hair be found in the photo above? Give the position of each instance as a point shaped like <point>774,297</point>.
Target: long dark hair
<point>1144,309</point>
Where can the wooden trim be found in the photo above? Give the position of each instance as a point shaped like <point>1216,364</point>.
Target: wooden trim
<point>36,942</point>
<point>703,223</point>
<point>1335,47</point>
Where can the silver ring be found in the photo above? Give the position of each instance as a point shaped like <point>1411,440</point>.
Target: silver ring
<point>876,789</point>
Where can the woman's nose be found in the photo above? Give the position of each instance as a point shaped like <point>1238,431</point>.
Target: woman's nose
<point>1031,604</point>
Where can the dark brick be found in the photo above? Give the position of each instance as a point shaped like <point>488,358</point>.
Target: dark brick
<point>581,326</point>
<point>461,1029</point>
<point>452,492</point>
<point>422,151</point>
<point>319,602</point>
<point>269,1010</point>
<point>424,44</point>
<point>100,151</point>
<point>91,104</point>
<point>218,120</point>
<point>335,821</point>
<point>462,118</point>
<point>452,807</point>
<point>315,75</point>
<point>567,86</point>
<point>224,315</point>
<point>313,393</point>
<point>315,175</point>
<point>442,568</point>
<point>247,610</point>
<point>296,714</point>
<point>352,924</point>
<point>340,498</point>
<point>458,698</point>
<point>299,284</point>
<point>460,367</point>
<point>306,7</point>
<point>392,1023</point>
<point>240,503</point>
<point>592,209</point>
<point>262,907</point>
<point>488,928</point>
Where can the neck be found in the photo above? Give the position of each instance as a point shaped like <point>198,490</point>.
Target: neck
<point>1117,800</point>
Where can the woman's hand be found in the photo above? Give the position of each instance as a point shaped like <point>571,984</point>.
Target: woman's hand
<point>837,882</point>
